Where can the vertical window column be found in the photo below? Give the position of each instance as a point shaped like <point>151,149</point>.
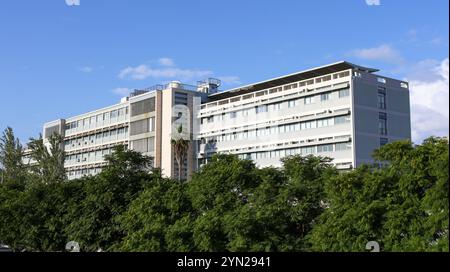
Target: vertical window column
<point>382,123</point>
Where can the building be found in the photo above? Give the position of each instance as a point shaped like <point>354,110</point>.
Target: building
<point>340,110</point>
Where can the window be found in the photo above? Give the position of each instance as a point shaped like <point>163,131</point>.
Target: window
<point>181,98</point>
<point>342,146</point>
<point>292,103</point>
<point>260,109</point>
<point>152,124</point>
<point>383,141</point>
<point>308,100</point>
<point>139,127</point>
<point>105,136</point>
<point>291,86</point>
<point>144,145</point>
<point>382,123</point>
<point>308,125</point>
<point>342,119</point>
<point>325,97</point>
<point>113,134</point>
<point>325,122</point>
<point>308,150</point>
<point>144,106</point>
<point>274,107</point>
<point>344,93</point>
<point>382,98</point>
<point>210,119</point>
<point>325,148</point>
<point>233,115</point>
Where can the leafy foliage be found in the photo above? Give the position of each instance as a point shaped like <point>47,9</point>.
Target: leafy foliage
<point>403,205</point>
<point>229,205</point>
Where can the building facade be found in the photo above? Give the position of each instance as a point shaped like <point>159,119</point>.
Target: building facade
<point>340,110</point>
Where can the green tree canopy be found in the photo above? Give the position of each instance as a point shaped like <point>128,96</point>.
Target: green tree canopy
<point>107,196</point>
<point>402,202</point>
<point>11,154</point>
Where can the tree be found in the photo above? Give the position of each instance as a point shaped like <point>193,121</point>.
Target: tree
<point>220,188</point>
<point>11,153</point>
<point>281,208</point>
<point>402,204</point>
<point>159,219</point>
<point>48,165</point>
<point>180,146</point>
<point>107,196</point>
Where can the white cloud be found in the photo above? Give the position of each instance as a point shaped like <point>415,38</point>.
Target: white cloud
<point>121,91</point>
<point>144,71</point>
<point>383,53</point>
<point>86,69</point>
<point>166,62</point>
<point>429,100</point>
<point>230,80</point>
<point>373,2</point>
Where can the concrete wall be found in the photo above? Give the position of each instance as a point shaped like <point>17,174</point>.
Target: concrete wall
<point>366,114</point>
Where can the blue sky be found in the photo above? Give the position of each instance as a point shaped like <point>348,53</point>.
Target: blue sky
<point>57,61</point>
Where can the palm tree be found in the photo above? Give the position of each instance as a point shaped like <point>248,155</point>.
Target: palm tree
<point>180,147</point>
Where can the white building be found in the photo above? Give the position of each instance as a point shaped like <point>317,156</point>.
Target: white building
<point>340,110</point>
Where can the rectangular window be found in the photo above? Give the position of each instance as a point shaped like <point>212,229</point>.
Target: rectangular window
<point>152,124</point>
<point>343,146</point>
<point>144,106</point>
<point>383,141</point>
<point>325,122</point>
<point>139,127</point>
<point>308,150</point>
<point>144,145</point>
<point>308,100</point>
<point>325,148</point>
<point>261,109</point>
<point>382,98</point>
<point>344,93</point>
<point>181,98</point>
<point>382,123</point>
<point>114,114</point>
<point>342,119</point>
<point>325,97</point>
<point>233,115</point>
<point>292,103</point>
